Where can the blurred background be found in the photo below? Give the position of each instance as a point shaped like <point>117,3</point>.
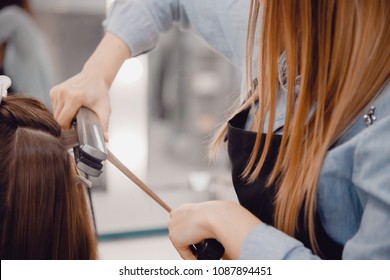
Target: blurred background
<point>166,105</point>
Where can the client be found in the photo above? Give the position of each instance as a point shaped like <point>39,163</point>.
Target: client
<point>44,208</point>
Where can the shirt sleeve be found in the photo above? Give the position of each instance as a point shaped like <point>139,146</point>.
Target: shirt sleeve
<point>372,179</point>
<point>265,242</point>
<point>221,23</point>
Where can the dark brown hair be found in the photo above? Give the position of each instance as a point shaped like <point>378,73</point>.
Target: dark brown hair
<point>44,213</point>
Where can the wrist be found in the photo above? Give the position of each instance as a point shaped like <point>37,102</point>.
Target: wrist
<point>230,223</point>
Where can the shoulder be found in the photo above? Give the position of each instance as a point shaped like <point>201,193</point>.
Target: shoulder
<point>372,149</point>
<point>375,114</point>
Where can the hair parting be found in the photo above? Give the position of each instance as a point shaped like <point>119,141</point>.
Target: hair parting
<point>44,212</point>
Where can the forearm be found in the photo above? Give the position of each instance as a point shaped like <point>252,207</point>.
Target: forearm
<point>107,59</point>
<point>90,87</point>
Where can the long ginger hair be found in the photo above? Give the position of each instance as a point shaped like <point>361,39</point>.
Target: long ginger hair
<point>340,50</point>
<point>44,212</point>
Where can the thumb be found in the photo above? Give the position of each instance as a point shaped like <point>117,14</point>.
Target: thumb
<point>65,115</point>
<point>186,254</point>
<point>104,117</point>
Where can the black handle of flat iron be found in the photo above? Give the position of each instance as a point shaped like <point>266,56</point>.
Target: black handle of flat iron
<point>208,249</point>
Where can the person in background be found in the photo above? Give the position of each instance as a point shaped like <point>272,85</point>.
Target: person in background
<point>44,206</point>
<point>308,146</point>
<point>24,53</point>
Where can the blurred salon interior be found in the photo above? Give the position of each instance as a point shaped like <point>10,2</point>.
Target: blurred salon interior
<point>166,105</point>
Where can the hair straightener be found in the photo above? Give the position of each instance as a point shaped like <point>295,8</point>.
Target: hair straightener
<point>91,152</point>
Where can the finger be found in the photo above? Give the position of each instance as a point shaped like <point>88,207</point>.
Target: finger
<point>104,117</point>
<point>66,115</point>
<point>58,109</point>
<point>53,98</point>
<point>106,137</point>
<point>57,96</point>
<point>186,254</point>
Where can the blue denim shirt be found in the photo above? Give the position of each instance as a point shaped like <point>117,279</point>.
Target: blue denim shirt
<point>353,193</point>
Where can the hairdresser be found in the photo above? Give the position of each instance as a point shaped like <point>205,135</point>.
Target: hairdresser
<point>308,145</point>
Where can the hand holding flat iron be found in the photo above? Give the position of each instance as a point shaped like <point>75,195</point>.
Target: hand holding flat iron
<point>90,87</point>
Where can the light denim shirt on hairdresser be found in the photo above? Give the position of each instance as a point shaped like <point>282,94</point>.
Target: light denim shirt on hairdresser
<point>353,194</point>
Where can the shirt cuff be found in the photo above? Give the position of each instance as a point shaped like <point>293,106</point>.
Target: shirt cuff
<point>132,22</point>
<point>267,243</point>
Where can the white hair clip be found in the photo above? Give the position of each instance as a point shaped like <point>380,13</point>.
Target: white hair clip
<point>5,83</point>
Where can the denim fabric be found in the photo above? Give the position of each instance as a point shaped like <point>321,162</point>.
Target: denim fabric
<point>353,195</point>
